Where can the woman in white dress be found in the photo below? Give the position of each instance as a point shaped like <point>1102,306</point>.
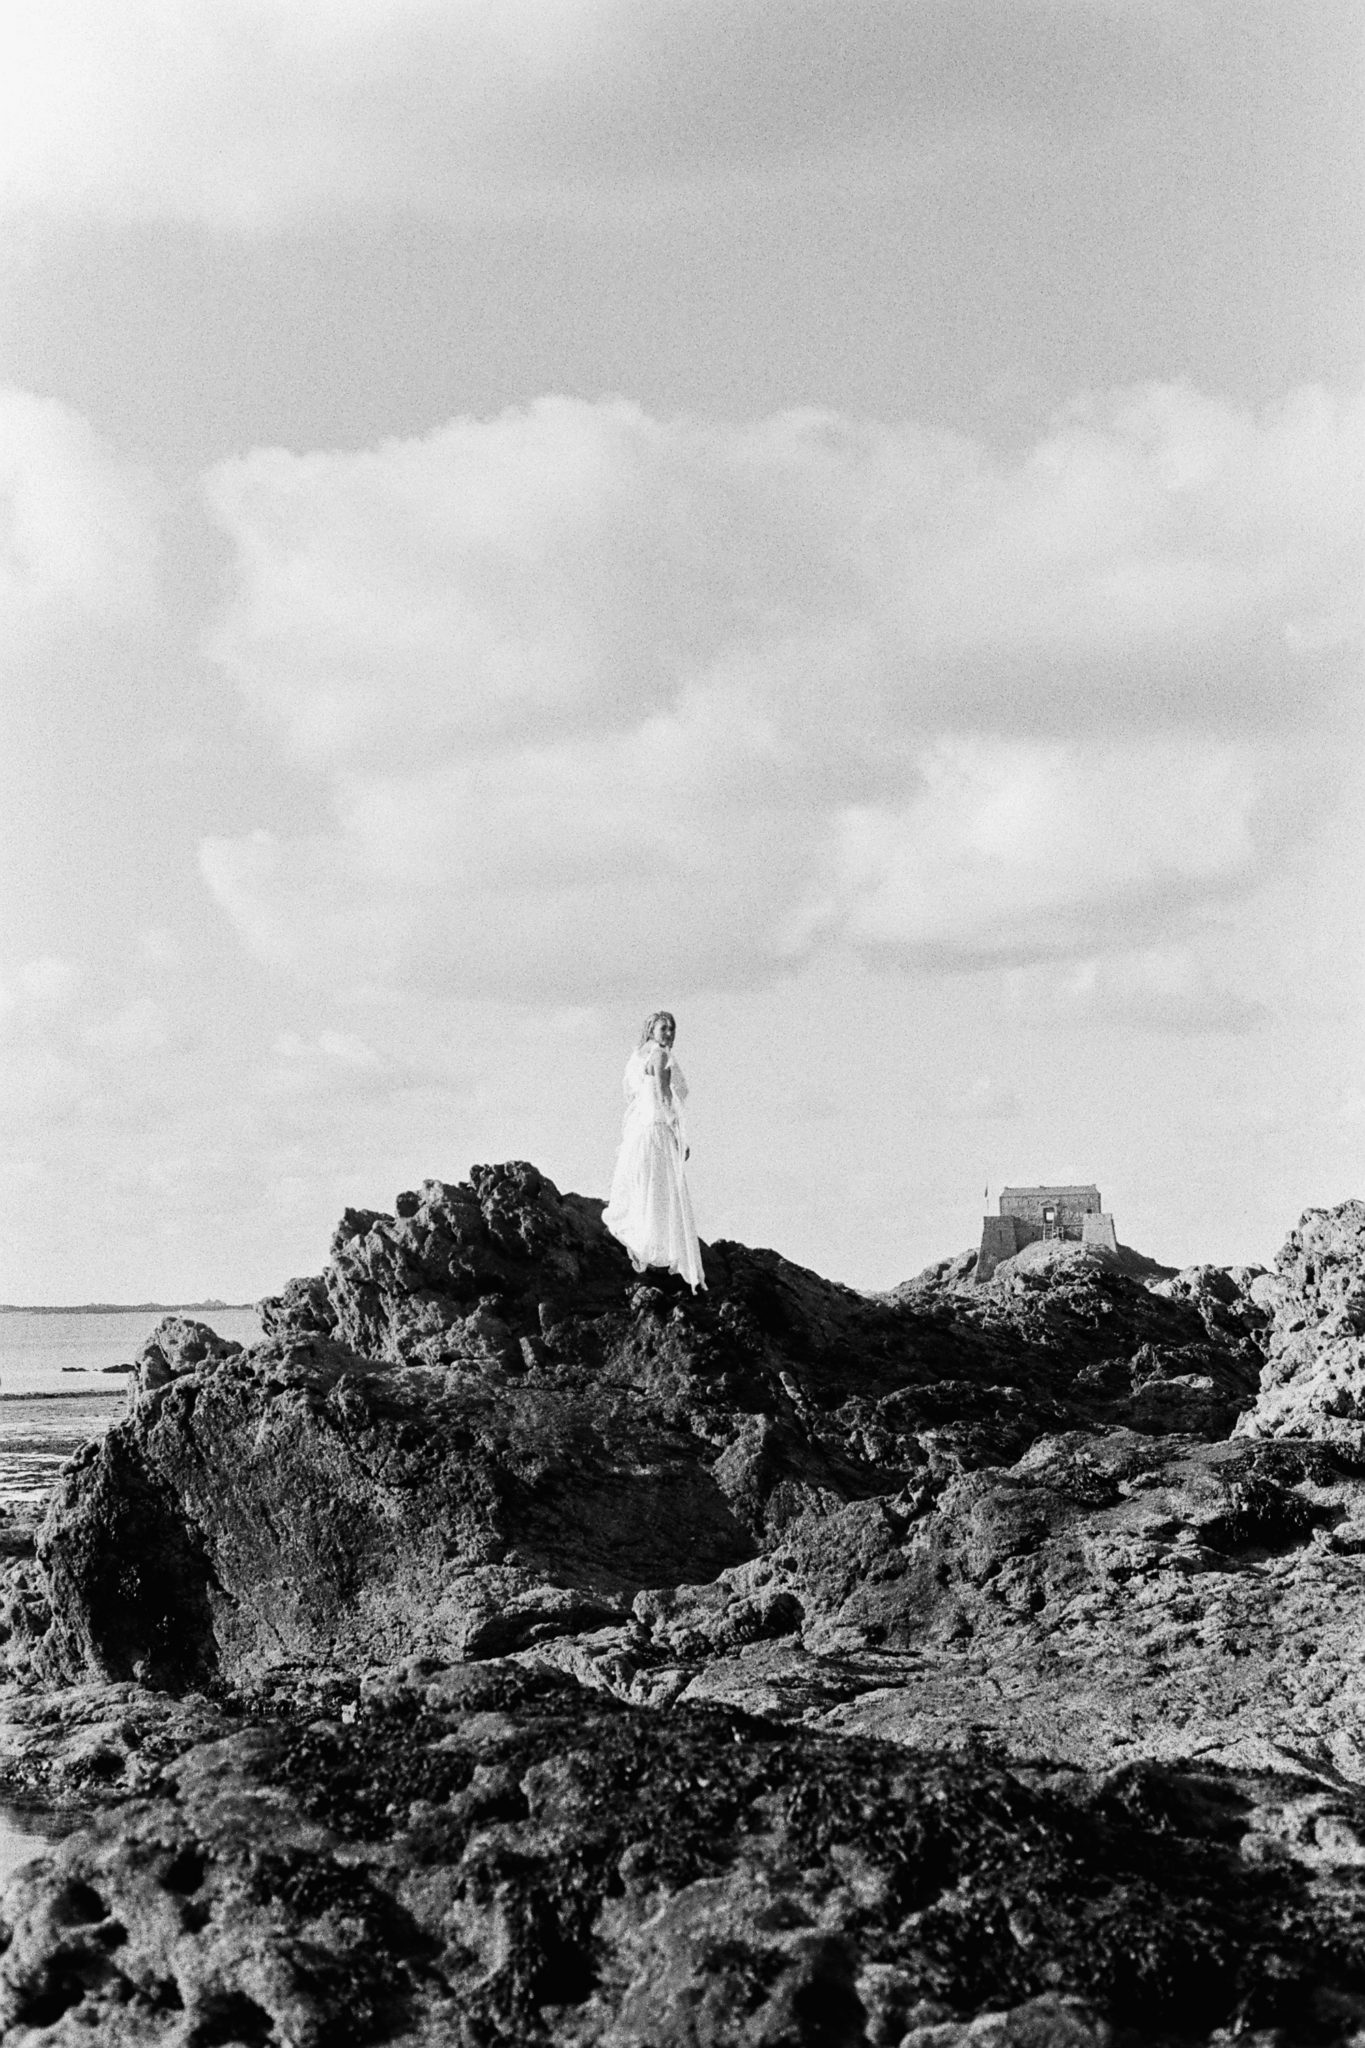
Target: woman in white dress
<point>650,1209</point>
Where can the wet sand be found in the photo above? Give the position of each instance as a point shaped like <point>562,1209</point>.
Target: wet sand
<point>39,1432</point>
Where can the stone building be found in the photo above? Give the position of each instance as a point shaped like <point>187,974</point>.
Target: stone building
<point>1028,1214</point>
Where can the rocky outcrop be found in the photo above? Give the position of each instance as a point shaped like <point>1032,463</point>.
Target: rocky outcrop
<point>1055,1254</point>
<point>477,1431</point>
<point>176,1346</point>
<point>480,1854</point>
<point>508,1649</point>
<point>1314,1378</point>
<point>25,1615</point>
<point>73,1746</point>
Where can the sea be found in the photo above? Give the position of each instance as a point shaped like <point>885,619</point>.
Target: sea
<point>56,1391</point>
<point>55,1394</point>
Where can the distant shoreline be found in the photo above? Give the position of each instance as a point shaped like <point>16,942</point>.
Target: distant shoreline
<point>74,1393</point>
<point>121,1308</point>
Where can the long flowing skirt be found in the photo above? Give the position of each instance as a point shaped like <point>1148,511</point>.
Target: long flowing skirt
<point>650,1210</point>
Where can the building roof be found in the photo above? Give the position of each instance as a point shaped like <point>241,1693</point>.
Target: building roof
<point>1080,1188</point>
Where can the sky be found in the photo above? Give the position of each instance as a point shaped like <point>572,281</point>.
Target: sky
<point>843,519</point>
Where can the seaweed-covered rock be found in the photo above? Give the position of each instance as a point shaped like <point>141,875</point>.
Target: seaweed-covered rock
<point>85,1744</point>
<point>479,1855</point>
<point>1058,1660</point>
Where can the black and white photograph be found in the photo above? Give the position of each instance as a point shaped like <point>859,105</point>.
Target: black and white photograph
<point>682,1024</point>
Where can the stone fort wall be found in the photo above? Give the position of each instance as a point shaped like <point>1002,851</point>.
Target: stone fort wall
<point>1069,1203</point>
<point>1076,1214</point>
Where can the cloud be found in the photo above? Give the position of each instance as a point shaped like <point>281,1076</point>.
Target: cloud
<point>40,1088</point>
<point>984,1100</point>
<point>330,1066</point>
<point>138,1030</point>
<point>251,113</point>
<point>339,1048</point>
<point>44,1081</point>
<point>48,979</point>
<point>64,1052</point>
<point>1017,850</point>
<point>77,527</point>
<point>1165,988</point>
<point>159,948</point>
<point>602,700</point>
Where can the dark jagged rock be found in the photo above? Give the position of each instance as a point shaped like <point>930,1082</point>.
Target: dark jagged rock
<point>495,1857</point>
<point>176,1346</point>
<point>1057,1527</point>
<point>25,1615</point>
<point>75,1746</point>
<point>1314,1379</point>
<point>478,1430</point>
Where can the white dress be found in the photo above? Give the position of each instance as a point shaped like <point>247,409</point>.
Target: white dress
<point>650,1209</point>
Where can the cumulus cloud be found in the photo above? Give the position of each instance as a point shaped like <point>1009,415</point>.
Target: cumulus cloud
<point>600,697</point>
<point>40,1087</point>
<point>65,1051</point>
<point>337,1048</point>
<point>248,113</point>
<point>77,526</point>
<point>330,1065</point>
<point>43,1080</point>
<point>141,1028</point>
<point>1162,988</point>
<point>48,979</point>
<point>984,1100</point>
<point>159,948</point>
<point>1018,849</point>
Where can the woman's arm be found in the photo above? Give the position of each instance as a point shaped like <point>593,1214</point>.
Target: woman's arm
<point>658,1065</point>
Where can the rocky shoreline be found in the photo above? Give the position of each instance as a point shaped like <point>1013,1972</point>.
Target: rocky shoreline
<point>508,1650</point>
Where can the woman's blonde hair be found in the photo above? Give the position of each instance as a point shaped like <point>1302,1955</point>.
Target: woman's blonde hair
<point>656,1017</point>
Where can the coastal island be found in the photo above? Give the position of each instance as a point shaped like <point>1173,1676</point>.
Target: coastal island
<point>118,1308</point>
